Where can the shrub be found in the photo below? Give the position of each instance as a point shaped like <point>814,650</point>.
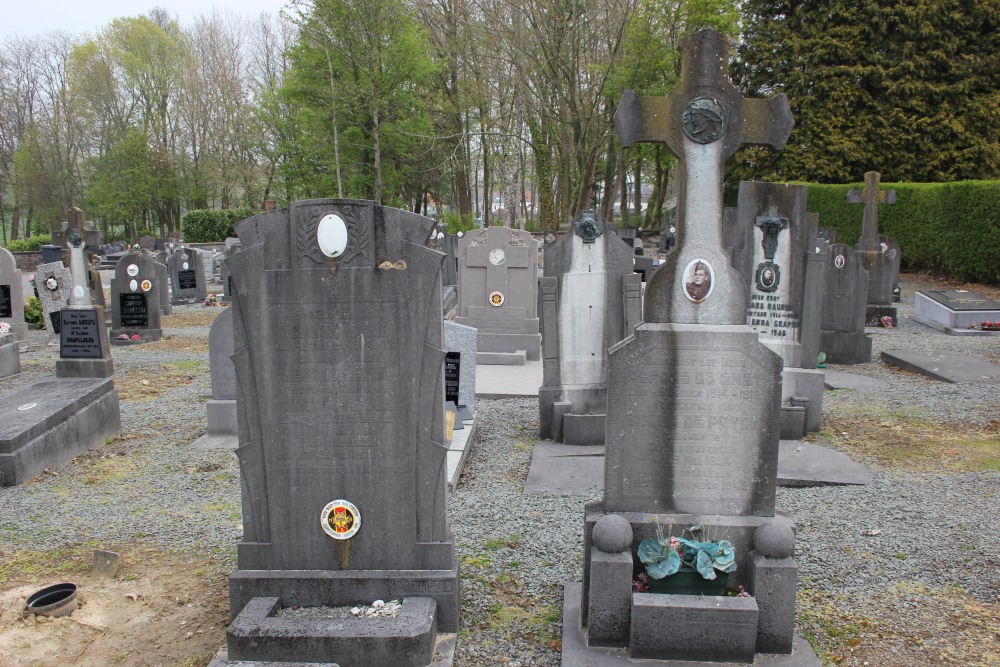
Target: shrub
<point>950,228</point>
<point>211,225</point>
<point>455,223</point>
<point>33,244</point>
<point>34,316</point>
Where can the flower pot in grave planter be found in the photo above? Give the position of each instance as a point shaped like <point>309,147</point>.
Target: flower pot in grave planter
<point>688,582</point>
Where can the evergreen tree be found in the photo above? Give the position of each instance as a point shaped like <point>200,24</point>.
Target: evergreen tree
<point>908,89</point>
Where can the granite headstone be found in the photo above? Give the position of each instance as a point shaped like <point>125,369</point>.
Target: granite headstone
<point>842,329</point>
<point>54,284</point>
<point>12,296</point>
<point>135,300</point>
<point>339,362</point>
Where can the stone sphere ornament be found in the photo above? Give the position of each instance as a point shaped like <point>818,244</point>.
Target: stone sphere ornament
<point>612,534</point>
<point>774,539</point>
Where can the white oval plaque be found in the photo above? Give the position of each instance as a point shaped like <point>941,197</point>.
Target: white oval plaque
<point>340,519</point>
<point>78,292</point>
<point>133,284</point>
<point>26,406</point>
<point>331,235</point>
<point>699,280</point>
<point>185,266</point>
<point>132,270</point>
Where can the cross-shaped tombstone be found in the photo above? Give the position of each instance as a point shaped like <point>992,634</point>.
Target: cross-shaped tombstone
<point>871,197</point>
<point>703,121</point>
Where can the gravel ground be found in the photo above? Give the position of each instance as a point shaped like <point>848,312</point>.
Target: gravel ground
<point>930,577</point>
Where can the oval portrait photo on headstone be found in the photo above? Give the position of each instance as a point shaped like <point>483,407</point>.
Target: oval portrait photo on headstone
<point>839,261</point>
<point>698,280</point>
<point>340,519</point>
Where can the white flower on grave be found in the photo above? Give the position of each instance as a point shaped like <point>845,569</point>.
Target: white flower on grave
<point>51,283</point>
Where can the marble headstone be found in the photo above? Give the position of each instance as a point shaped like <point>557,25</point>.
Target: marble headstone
<point>498,293</point>
<point>339,357</point>
<point>462,339</point>
<point>590,301</point>
<point>83,332</point>
<point>12,296</point>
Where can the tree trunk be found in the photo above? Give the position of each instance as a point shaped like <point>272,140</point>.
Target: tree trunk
<point>637,184</point>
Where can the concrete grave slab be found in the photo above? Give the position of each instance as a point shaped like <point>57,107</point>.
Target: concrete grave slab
<point>806,464</point>
<point>50,421</point>
<point>955,311</point>
<point>508,381</point>
<point>565,470</point>
<point>834,379</point>
<point>946,366</point>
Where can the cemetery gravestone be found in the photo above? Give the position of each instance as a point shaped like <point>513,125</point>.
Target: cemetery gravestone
<point>12,296</point>
<point>498,287</point>
<point>339,360</point>
<point>784,271</point>
<point>10,354</point>
<point>590,301</point>
<point>222,406</point>
<point>52,420</point>
<point>693,402</point>
<point>162,279</point>
<point>890,248</point>
<point>879,264</point>
<point>83,331</point>
<point>233,246</point>
<point>461,340</point>
<point>187,276</point>
<point>842,329</point>
<point>135,300</point>
<point>54,283</point>
<point>957,312</point>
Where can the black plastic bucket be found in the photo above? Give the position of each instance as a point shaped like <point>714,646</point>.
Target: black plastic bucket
<point>57,600</point>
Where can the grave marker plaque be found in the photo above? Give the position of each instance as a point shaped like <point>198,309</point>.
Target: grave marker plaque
<point>134,310</point>
<point>6,303</point>
<point>11,297</point>
<point>186,279</point>
<point>135,297</point>
<point>80,334</point>
<point>452,373</point>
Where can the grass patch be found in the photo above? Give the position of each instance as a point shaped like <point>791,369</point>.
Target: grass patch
<point>898,441</point>
<point>181,320</point>
<point>24,567</point>
<point>143,386</point>
<point>179,344</point>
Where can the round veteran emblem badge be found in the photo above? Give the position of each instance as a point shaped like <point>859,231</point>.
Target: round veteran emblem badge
<point>146,285</point>
<point>496,298</point>
<point>340,519</point>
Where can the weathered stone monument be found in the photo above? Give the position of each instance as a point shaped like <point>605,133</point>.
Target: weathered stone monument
<point>54,283</point>
<point>498,294</point>
<point>233,246</point>
<point>339,359</point>
<point>187,276</point>
<point>774,244</point>
<point>882,264</point>
<point>221,408</point>
<point>135,299</point>
<point>10,352</point>
<point>76,222</point>
<point>842,328</point>
<point>590,301</point>
<point>83,332</point>
<point>693,407</point>
<point>12,296</point>
<point>163,280</point>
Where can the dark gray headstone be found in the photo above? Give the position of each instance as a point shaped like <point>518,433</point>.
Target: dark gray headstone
<point>842,336</point>
<point>187,276</point>
<point>12,295</point>
<point>135,299</point>
<point>163,281</point>
<point>584,312</point>
<point>10,355</point>
<point>339,355</point>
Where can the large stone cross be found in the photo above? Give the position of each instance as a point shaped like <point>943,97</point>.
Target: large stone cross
<point>703,121</point>
<point>871,197</point>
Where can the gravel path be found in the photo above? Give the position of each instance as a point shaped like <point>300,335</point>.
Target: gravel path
<point>861,598</point>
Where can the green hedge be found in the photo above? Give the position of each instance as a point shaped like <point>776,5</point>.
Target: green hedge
<point>211,225</point>
<point>949,228</point>
<point>33,244</point>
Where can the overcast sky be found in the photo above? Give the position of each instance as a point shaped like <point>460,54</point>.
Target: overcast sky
<point>28,18</point>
